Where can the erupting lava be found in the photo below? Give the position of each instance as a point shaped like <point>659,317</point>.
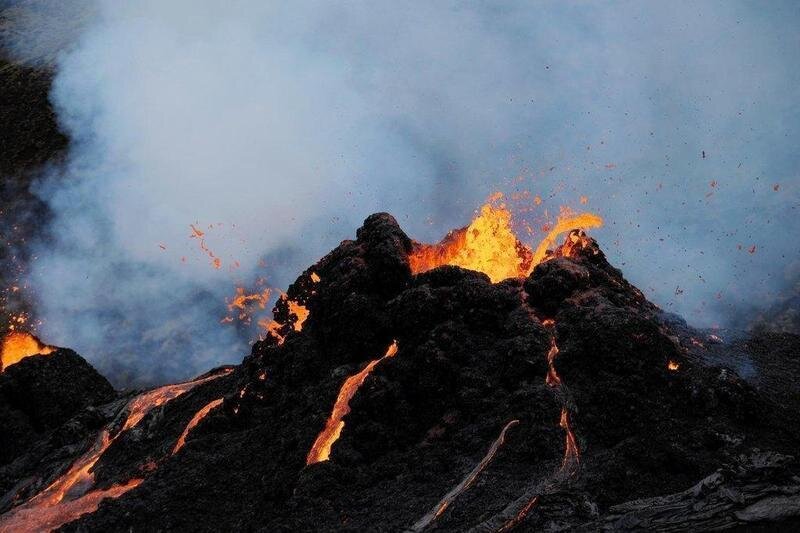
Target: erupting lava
<point>321,449</point>
<point>274,327</point>
<point>489,244</point>
<point>17,345</point>
<point>71,495</point>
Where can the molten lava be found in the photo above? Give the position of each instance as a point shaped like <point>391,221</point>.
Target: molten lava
<point>520,516</point>
<point>572,455</point>
<point>243,303</point>
<point>300,312</point>
<point>275,328</point>
<point>489,244</point>
<point>565,223</point>
<point>321,449</point>
<point>466,483</point>
<point>200,415</point>
<point>552,378</point>
<point>71,495</point>
<point>17,345</point>
<point>571,452</point>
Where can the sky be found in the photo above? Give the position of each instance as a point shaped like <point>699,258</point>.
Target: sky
<point>276,128</point>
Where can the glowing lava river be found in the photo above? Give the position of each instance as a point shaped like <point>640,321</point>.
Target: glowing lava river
<point>73,493</point>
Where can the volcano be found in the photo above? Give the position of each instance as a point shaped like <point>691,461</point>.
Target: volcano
<point>397,391</point>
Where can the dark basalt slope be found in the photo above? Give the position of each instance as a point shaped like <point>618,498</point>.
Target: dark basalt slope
<point>472,357</point>
<point>42,394</point>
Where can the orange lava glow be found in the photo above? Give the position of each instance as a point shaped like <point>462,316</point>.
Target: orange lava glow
<point>465,483</point>
<point>489,244</point>
<point>321,449</point>
<point>298,310</point>
<point>565,223</point>
<point>514,522</point>
<point>673,366</point>
<point>17,345</point>
<point>198,234</point>
<point>552,378</point>
<point>201,414</point>
<point>572,455</point>
<point>71,495</point>
<point>242,302</point>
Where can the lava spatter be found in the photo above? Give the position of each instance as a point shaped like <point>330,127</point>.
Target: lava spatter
<point>17,345</point>
<point>489,245</point>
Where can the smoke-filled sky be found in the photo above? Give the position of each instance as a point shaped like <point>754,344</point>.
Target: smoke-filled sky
<point>284,124</point>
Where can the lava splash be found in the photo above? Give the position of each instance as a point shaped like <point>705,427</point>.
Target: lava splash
<point>490,245</point>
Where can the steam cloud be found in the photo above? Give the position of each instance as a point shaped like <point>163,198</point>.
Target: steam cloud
<point>285,124</point>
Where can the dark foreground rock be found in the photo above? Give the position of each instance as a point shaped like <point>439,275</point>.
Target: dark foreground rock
<point>40,393</point>
<point>643,422</point>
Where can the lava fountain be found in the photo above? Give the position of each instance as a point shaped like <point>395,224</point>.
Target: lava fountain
<point>17,345</point>
<point>490,245</point>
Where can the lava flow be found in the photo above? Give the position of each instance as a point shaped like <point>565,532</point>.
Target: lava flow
<point>489,244</point>
<point>321,449</point>
<point>200,415</point>
<point>71,495</point>
<point>17,345</point>
<point>570,463</point>
<point>571,452</point>
<point>466,483</point>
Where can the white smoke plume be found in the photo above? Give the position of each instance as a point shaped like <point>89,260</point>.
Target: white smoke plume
<point>275,128</point>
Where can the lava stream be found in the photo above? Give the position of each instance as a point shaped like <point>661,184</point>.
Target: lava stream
<point>552,378</point>
<point>563,225</point>
<point>466,483</point>
<point>70,496</point>
<point>321,449</point>
<point>201,414</point>
<point>571,451</point>
<point>570,463</point>
<point>514,522</point>
<point>572,455</point>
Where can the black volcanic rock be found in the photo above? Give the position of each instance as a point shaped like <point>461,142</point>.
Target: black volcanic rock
<point>30,140</point>
<point>652,409</point>
<point>40,393</point>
